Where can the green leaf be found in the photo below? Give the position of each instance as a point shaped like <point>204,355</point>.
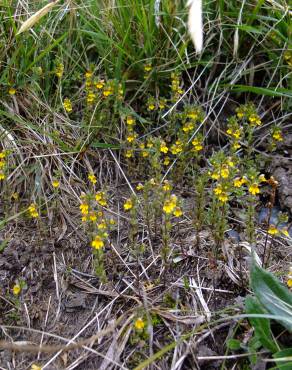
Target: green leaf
<point>261,326</point>
<point>262,90</point>
<point>286,359</point>
<point>233,344</point>
<point>274,297</point>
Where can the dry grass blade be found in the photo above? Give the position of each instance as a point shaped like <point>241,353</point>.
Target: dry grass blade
<point>31,21</point>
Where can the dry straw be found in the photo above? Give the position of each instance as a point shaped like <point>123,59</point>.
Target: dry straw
<point>31,21</point>
<point>195,23</point>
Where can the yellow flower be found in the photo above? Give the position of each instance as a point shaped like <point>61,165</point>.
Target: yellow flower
<point>176,148</point>
<point>273,230</point>
<point>215,176</point>
<point>108,91</point>
<point>33,211</point>
<point>238,182</point>
<point>100,198</point>
<point>100,84</point>
<point>277,136</point>
<point>139,186</point>
<point>55,183</point>
<point>229,131</point>
<point>131,138</point>
<point>129,153</point>
<point>67,105</point>
<point>151,106</point>
<point>11,91</point>
<point>237,134</point>
<point>289,283</point>
<point>162,103</point>
<point>218,190</point>
<point>84,208</point>
<point>102,225</point>
<point>240,114</point>
<point>177,212</point>
<point>59,70</point>
<point>192,115</point>
<point>88,74</point>
<point>163,147</point>
<point>139,324</point>
<point>2,155</point>
<point>170,204</point>
<point>147,67</point>
<point>262,178</point>
<point>166,186</point>
<point>224,172</point>
<point>16,289</point>
<point>128,204</point>
<point>2,176</point>
<point>254,189</point>
<point>35,367</point>
<point>84,218</point>
<point>97,242</point>
<point>92,178</point>
<point>90,97</point>
<point>197,145</point>
<point>130,121</point>
<point>236,146</point>
<point>254,119</point>
<point>166,161</point>
<point>92,216</point>
<point>223,197</point>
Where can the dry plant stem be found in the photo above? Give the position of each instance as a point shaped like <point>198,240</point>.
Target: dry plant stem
<point>271,204</point>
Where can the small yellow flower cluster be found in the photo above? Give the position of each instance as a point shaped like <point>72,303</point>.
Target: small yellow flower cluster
<point>253,184</point>
<point>128,204</point>
<point>3,164</point>
<point>32,209</point>
<point>67,105</point>
<point>221,192</point>
<point>176,89</point>
<point>144,152</point>
<point>12,91</point>
<point>197,144</point>
<point>151,104</point>
<point>162,103</point>
<point>288,57</point>
<point>171,206</point>
<point>139,324</point>
<point>235,131</point>
<point>16,289</point>
<point>177,147</point>
<point>239,181</point>
<point>147,70</point>
<point>59,70</point>
<point>130,136</point>
<point>92,178</point>
<point>56,183</point>
<point>254,120</point>
<point>100,197</point>
<point>248,112</point>
<point>108,89</point>
<point>97,242</point>
<point>163,147</point>
<point>276,134</point>
<point>222,169</point>
<point>274,230</point>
